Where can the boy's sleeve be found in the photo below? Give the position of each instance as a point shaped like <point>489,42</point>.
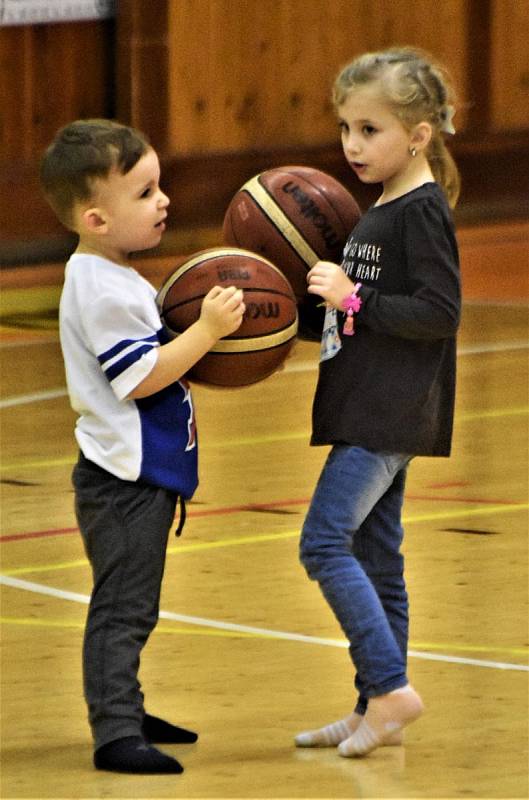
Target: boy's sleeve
<point>124,339</point>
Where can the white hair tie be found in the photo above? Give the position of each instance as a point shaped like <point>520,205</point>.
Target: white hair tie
<point>447,114</point>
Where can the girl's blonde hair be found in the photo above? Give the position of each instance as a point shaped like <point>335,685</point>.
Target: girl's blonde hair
<point>418,89</point>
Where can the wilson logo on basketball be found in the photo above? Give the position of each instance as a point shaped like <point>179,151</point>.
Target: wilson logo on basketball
<point>310,211</point>
<point>233,275</point>
<point>265,310</point>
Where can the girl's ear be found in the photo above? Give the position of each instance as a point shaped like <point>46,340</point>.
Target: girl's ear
<point>421,136</point>
<point>94,221</point>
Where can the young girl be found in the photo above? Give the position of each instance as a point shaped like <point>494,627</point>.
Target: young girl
<point>387,375</point>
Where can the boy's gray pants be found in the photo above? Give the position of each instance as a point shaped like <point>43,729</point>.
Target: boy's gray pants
<point>125,526</point>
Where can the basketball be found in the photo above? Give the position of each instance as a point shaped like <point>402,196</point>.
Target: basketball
<point>268,330</point>
<point>293,216</point>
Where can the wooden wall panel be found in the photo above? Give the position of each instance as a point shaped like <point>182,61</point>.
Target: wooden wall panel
<point>226,88</point>
<point>16,93</point>
<point>510,65</point>
<point>247,75</point>
<point>51,74</point>
<point>142,68</point>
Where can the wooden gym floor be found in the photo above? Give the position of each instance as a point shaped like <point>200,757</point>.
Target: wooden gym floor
<point>246,651</point>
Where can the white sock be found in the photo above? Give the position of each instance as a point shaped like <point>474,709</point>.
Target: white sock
<point>385,718</point>
<point>336,732</point>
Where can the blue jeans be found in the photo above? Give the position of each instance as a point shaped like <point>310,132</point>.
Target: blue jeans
<point>350,544</point>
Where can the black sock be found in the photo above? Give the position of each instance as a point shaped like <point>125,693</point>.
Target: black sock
<point>157,730</point>
<point>132,754</point>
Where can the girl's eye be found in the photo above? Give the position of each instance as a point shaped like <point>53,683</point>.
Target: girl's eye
<point>343,126</point>
<point>368,130</point>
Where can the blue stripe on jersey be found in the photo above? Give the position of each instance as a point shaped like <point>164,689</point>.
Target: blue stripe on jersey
<point>169,450</point>
<point>123,344</point>
<point>124,363</point>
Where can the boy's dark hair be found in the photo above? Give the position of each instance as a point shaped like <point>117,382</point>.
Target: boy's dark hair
<point>82,151</point>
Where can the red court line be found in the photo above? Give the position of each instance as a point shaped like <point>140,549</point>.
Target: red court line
<point>13,537</point>
<point>479,500</point>
<point>216,512</point>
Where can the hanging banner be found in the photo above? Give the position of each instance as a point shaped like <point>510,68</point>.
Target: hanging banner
<point>33,12</point>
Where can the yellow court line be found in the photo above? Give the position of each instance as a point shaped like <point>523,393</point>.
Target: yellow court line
<point>486,511</point>
<point>41,623</point>
<point>82,562</point>
<point>513,651</point>
<point>253,440</point>
<point>161,628</point>
<point>492,414</point>
<point>239,442</point>
<point>207,631</point>
<point>263,537</point>
<point>39,463</point>
<point>267,537</point>
<point>30,300</point>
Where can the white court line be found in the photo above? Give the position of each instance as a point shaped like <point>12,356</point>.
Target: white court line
<point>300,366</point>
<point>492,347</point>
<point>36,397</point>
<point>471,350</point>
<point>30,342</point>
<point>75,597</point>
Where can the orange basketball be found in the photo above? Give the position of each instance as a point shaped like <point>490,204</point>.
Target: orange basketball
<point>268,330</point>
<point>293,216</point>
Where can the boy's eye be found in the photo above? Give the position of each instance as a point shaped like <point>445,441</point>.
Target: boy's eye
<point>146,192</point>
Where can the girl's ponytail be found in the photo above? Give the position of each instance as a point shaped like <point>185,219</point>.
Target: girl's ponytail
<point>444,168</point>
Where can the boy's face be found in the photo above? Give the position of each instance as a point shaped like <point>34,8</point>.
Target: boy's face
<point>132,207</point>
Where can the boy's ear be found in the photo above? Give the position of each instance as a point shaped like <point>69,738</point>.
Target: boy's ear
<point>421,135</point>
<point>94,220</point>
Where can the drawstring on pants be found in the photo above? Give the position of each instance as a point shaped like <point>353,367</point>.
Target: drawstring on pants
<point>182,520</point>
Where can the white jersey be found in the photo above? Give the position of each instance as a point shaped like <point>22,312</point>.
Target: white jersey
<point>110,332</point>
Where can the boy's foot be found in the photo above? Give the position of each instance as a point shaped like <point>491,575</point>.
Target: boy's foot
<point>335,733</point>
<point>162,732</point>
<point>132,754</point>
<point>386,716</point>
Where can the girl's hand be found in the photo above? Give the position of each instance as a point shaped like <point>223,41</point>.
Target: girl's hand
<point>222,310</point>
<point>330,282</point>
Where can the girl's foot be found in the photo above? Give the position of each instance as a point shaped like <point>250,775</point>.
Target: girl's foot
<point>385,717</point>
<point>331,735</point>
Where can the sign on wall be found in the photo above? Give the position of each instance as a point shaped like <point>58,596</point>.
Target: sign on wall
<point>32,12</point>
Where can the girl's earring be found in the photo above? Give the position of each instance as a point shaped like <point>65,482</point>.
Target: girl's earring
<point>413,152</point>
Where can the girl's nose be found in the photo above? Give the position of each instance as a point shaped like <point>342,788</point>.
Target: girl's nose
<point>351,145</point>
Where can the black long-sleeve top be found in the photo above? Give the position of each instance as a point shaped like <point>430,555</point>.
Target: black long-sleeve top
<point>391,387</point>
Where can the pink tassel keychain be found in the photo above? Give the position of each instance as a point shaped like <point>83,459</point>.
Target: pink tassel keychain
<point>351,305</point>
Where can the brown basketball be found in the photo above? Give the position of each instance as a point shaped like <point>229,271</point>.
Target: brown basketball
<point>293,216</point>
<point>268,330</point>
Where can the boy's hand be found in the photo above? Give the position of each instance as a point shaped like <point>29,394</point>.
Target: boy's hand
<point>222,310</point>
<point>330,282</point>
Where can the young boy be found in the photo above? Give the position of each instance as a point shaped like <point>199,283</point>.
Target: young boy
<point>136,427</point>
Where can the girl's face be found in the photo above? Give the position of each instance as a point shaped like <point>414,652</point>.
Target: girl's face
<point>375,142</point>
